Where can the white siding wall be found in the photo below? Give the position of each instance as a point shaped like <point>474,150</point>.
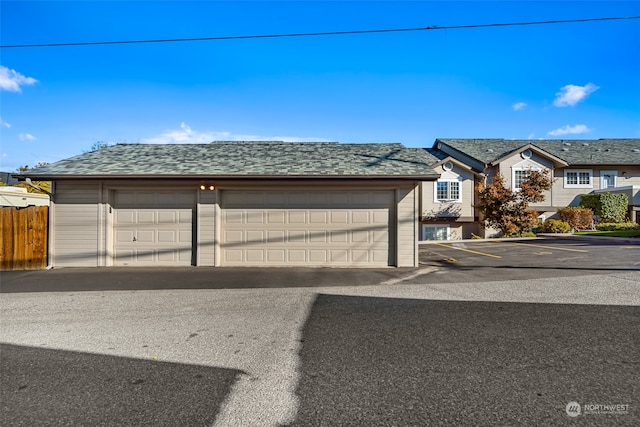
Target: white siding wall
<point>75,224</point>
<point>407,234</point>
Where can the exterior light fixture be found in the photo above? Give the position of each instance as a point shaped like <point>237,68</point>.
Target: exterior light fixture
<point>211,187</point>
<point>202,187</point>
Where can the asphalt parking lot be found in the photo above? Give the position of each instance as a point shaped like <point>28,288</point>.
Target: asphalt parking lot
<point>526,259</point>
<point>463,340</point>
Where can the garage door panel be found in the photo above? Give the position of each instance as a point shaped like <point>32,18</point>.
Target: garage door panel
<point>276,217</point>
<point>318,256</point>
<point>339,217</point>
<point>297,256</point>
<point>307,228</point>
<point>276,255</point>
<point>317,217</point>
<point>276,236</point>
<point>167,236</point>
<point>255,217</point>
<point>153,228</point>
<point>295,236</point>
<point>254,236</point>
<point>122,236</point>
<point>317,236</point>
<point>297,217</point>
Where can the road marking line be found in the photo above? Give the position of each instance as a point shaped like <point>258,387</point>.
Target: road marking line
<point>468,250</point>
<point>545,246</point>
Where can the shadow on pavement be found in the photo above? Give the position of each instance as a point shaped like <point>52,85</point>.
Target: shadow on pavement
<point>384,361</point>
<point>54,387</point>
<point>145,278</point>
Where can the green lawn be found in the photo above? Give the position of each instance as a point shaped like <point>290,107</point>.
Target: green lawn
<point>618,233</point>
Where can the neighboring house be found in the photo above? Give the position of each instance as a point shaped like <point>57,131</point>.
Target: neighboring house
<point>7,178</point>
<point>577,166</point>
<point>237,204</point>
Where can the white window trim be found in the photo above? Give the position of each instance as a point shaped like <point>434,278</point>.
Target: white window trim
<point>589,171</point>
<point>425,226</point>
<point>520,168</point>
<point>435,191</point>
<point>608,172</point>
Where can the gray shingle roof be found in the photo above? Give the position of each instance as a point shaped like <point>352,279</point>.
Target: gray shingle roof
<point>244,159</point>
<point>574,152</point>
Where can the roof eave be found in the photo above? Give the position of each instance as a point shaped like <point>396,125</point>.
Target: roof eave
<point>52,177</point>
<point>532,147</point>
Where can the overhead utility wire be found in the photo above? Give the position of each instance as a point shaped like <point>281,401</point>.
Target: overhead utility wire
<point>326,33</point>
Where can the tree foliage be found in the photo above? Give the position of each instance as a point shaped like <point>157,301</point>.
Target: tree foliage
<point>508,210</point>
<point>45,185</point>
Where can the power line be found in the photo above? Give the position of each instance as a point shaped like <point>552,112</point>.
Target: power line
<point>325,33</point>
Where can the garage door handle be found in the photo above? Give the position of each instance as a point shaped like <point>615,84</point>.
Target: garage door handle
<point>134,238</point>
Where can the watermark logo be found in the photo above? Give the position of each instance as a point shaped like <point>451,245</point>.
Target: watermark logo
<point>573,409</point>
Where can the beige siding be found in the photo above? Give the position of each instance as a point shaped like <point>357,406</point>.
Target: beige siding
<point>432,209</point>
<point>206,221</point>
<point>75,222</point>
<point>407,232</point>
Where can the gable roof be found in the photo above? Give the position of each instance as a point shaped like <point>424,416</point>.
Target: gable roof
<point>245,159</point>
<point>572,152</point>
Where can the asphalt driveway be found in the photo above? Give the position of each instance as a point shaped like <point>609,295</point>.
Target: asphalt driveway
<point>398,347</point>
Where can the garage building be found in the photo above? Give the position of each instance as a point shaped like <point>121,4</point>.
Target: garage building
<point>237,204</point>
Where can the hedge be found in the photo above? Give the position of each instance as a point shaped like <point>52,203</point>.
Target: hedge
<point>608,206</point>
<point>555,226</point>
<point>578,218</point>
<point>604,226</point>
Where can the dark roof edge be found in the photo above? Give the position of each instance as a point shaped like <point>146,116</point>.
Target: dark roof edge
<point>230,177</point>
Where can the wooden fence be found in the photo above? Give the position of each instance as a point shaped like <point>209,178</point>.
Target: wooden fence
<point>23,243</point>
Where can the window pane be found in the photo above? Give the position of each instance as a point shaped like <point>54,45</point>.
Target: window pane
<point>435,232</point>
<point>583,178</point>
<point>572,178</point>
<point>519,176</point>
<point>455,190</point>
<point>443,188</point>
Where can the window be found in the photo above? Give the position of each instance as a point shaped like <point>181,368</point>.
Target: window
<point>435,232</point>
<point>518,177</point>
<point>578,178</point>
<point>608,179</point>
<point>447,191</point>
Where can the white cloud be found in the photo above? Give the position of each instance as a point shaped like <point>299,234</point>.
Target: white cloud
<point>531,135</point>
<point>569,130</point>
<point>186,135</point>
<point>26,137</point>
<point>11,80</point>
<point>4,124</point>
<point>570,95</point>
<point>518,106</point>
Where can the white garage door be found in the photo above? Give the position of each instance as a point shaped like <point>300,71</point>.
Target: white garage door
<point>335,228</point>
<point>153,228</point>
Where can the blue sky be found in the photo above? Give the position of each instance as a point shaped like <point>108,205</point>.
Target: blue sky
<point>577,80</point>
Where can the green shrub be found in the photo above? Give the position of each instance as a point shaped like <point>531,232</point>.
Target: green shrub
<point>578,218</point>
<point>608,206</point>
<point>555,226</point>
<point>616,226</point>
<point>614,207</point>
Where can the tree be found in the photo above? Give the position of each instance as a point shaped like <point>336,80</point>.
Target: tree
<point>45,185</point>
<point>98,145</point>
<point>508,210</point>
